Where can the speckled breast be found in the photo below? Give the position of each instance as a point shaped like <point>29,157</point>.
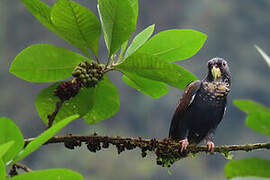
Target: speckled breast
<point>214,92</point>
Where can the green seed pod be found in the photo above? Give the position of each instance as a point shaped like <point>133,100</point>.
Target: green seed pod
<point>82,76</point>
<point>82,64</point>
<point>76,73</point>
<point>87,76</point>
<point>84,81</point>
<point>84,71</point>
<point>96,74</point>
<point>95,80</point>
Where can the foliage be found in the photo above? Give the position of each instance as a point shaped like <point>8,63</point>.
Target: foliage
<point>145,64</point>
<point>248,167</point>
<point>52,174</point>
<point>258,119</point>
<point>12,142</point>
<point>263,54</point>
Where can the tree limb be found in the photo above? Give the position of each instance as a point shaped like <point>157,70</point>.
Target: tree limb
<point>163,146</point>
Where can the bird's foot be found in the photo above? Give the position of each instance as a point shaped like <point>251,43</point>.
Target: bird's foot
<point>210,146</point>
<point>184,143</point>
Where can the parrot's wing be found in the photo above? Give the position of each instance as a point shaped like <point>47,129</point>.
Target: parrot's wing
<point>184,102</point>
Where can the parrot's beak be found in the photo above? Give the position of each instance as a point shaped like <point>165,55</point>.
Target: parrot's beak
<point>216,72</point>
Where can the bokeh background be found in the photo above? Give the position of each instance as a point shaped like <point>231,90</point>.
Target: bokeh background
<point>233,27</point>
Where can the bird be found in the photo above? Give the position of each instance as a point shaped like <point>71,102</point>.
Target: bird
<point>202,107</point>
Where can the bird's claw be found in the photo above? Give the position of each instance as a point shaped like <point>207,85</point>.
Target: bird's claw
<point>210,146</point>
<point>184,143</point>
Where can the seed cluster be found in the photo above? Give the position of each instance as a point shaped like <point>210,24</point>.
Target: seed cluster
<point>67,90</point>
<point>88,73</point>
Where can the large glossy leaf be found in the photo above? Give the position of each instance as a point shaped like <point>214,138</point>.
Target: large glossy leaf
<point>153,68</point>
<point>260,122</point>
<point>118,19</point>
<point>248,167</point>
<point>250,178</point>
<point>76,23</point>
<point>10,132</point>
<point>106,102</point>
<point>175,44</point>
<point>263,54</point>
<point>49,174</point>
<point>45,63</point>
<point>258,115</point>
<point>249,106</point>
<point>3,150</point>
<point>155,89</point>
<point>80,104</point>
<point>5,147</point>
<point>44,137</point>
<point>41,11</point>
<point>2,170</point>
<point>140,39</point>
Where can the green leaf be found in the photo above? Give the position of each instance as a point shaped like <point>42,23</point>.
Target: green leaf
<point>51,174</point>
<point>140,39</point>
<point>44,137</point>
<point>249,106</point>
<point>258,115</point>
<point>45,63</point>
<point>260,122</point>
<point>263,54</point>
<point>76,23</point>
<point>250,178</point>
<point>123,49</point>
<point>10,132</point>
<point>41,11</point>
<point>5,147</point>
<point>106,102</point>
<point>80,104</point>
<point>2,170</point>
<point>248,167</point>
<point>153,68</point>
<point>118,19</point>
<point>175,44</point>
<point>149,87</point>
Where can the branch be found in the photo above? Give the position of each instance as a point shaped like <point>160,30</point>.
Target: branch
<point>164,148</point>
<point>13,170</point>
<point>52,116</point>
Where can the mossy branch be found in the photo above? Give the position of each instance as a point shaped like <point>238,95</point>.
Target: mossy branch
<point>163,148</point>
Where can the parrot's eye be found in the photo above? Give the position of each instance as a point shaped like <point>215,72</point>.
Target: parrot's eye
<point>224,64</point>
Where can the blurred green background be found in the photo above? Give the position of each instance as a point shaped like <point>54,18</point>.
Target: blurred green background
<point>233,27</point>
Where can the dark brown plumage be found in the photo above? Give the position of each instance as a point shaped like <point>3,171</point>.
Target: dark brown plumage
<point>202,106</point>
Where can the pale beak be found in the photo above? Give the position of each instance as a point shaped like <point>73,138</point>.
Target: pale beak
<point>216,72</point>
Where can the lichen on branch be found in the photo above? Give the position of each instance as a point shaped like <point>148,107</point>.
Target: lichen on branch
<point>166,150</point>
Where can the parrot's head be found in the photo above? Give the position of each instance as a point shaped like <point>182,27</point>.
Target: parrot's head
<point>218,71</point>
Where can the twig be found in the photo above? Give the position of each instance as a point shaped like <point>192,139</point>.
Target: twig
<point>23,167</point>
<point>163,146</point>
<point>52,116</point>
<point>13,170</point>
